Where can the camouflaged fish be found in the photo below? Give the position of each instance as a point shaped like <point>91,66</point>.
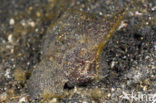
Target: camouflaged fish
<point>72,52</point>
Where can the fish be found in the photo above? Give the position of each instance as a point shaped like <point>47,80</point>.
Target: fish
<point>72,52</point>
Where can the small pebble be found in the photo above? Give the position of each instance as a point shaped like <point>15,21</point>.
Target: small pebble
<point>7,73</point>
<point>12,21</point>
<point>23,100</point>
<point>154,8</point>
<point>3,97</point>
<point>32,23</point>
<point>54,100</point>
<point>10,38</point>
<point>137,13</point>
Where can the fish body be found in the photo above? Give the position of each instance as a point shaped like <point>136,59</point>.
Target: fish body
<point>72,53</point>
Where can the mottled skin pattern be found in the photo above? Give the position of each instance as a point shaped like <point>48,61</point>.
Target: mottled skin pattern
<point>71,54</point>
<point>75,50</point>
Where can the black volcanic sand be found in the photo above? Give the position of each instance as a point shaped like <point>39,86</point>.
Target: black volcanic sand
<point>29,28</point>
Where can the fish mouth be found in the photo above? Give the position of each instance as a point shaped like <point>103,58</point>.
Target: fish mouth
<point>82,77</point>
